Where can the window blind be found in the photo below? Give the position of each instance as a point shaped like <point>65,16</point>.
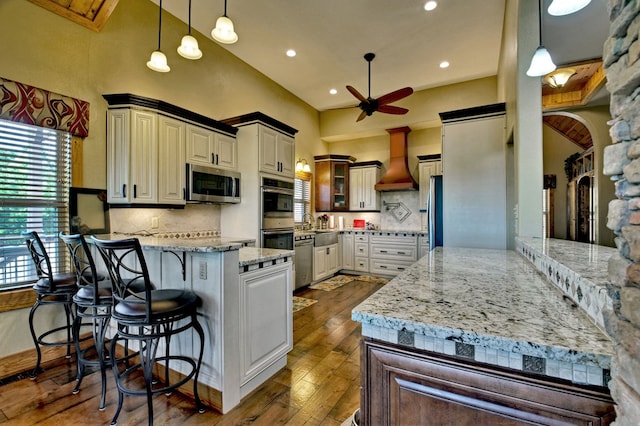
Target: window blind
<point>301,199</point>
<point>35,172</point>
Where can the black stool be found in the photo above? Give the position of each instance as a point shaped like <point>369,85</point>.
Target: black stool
<point>93,303</point>
<point>51,289</point>
<point>146,317</point>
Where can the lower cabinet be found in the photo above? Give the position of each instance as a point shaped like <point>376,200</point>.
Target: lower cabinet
<point>325,261</point>
<point>402,386</point>
<point>266,324</point>
<point>392,253</point>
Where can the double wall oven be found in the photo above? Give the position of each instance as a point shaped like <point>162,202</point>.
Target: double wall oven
<point>276,229</point>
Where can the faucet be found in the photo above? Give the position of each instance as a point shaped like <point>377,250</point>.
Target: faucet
<point>309,222</point>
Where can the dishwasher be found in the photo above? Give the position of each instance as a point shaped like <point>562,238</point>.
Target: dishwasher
<point>303,246</point>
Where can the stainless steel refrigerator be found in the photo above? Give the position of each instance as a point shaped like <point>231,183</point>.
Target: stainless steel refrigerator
<point>434,211</point>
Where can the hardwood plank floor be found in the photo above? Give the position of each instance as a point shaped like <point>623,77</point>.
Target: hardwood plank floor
<point>319,386</point>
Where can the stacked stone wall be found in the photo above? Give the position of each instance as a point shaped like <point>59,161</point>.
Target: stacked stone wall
<point>621,57</point>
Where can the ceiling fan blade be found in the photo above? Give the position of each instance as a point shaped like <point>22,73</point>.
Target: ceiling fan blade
<point>362,115</point>
<point>357,94</point>
<point>391,109</point>
<point>395,96</point>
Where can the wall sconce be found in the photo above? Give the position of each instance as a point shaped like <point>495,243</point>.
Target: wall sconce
<point>224,32</point>
<point>560,77</point>
<point>189,46</point>
<point>158,61</point>
<point>541,63</point>
<point>303,166</point>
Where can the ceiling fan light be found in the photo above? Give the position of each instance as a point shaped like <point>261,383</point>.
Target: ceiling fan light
<point>224,32</point>
<point>158,62</point>
<point>189,48</point>
<point>566,7</point>
<point>541,63</point>
<point>559,78</point>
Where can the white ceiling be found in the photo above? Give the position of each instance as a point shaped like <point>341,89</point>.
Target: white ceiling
<point>331,37</point>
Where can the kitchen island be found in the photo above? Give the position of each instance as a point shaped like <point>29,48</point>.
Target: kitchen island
<point>246,309</point>
<point>480,334</point>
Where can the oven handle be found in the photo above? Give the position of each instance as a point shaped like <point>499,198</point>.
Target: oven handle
<point>278,231</point>
<point>277,190</point>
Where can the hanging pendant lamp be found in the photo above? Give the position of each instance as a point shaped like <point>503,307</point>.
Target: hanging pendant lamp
<point>566,7</point>
<point>224,32</point>
<point>541,63</point>
<point>158,61</point>
<point>189,46</point>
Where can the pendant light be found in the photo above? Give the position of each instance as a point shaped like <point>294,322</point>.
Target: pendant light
<point>541,63</point>
<point>559,78</point>
<point>223,32</point>
<point>189,46</point>
<point>566,7</point>
<point>158,61</point>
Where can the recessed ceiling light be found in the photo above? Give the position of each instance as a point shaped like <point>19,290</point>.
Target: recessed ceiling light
<point>444,64</point>
<point>333,91</point>
<point>291,53</point>
<point>430,5</point>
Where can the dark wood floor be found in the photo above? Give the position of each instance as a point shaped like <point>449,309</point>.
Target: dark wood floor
<point>319,386</point>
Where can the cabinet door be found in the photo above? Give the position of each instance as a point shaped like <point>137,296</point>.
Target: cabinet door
<point>118,123</point>
<point>171,162</point>
<point>266,323</point>
<point>286,155</point>
<point>355,189</point>
<point>332,259</point>
<point>226,152</point>
<point>319,263</point>
<point>370,197</point>
<point>143,170</point>
<point>200,143</point>
<point>268,150</point>
<point>347,252</point>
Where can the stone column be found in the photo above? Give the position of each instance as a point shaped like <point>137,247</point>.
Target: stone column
<point>621,56</point>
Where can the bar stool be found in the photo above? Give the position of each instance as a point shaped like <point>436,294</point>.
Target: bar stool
<point>51,289</point>
<point>145,318</point>
<point>93,303</point>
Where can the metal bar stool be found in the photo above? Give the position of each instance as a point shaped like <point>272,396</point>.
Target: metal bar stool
<point>146,318</point>
<point>51,289</point>
<point>93,305</point>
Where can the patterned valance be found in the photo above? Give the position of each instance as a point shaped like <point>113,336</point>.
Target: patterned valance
<point>31,105</point>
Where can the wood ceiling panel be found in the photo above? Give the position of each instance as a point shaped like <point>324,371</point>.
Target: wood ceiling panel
<point>570,128</point>
<point>92,14</point>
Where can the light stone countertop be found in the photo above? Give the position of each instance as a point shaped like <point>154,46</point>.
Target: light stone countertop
<point>199,245</point>
<point>492,299</point>
<point>253,255</point>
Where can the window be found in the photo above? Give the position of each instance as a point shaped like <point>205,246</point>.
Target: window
<point>34,192</point>
<point>302,197</point>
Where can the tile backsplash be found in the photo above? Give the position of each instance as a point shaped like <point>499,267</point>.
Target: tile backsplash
<point>194,217</point>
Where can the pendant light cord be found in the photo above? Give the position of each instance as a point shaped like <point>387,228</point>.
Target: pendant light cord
<point>225,8</point>
<point>160,25</point>
<point>540,12</point>
<point>189,17</point>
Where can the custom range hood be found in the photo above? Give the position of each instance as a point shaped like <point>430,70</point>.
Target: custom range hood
<point>397,177</point>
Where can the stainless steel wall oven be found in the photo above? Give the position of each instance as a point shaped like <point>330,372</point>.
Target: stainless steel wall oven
<point>276,230</point>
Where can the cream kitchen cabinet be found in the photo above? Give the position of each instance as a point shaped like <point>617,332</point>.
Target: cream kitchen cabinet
<point>348,254</point>
<point>361,251</point>
<point>132,156</point>
<point>171,163</point>
<point>325,261</point>
<point>206,147</point>
<point>362,180</point>
<point>390,253</point>
<point>277,152</point>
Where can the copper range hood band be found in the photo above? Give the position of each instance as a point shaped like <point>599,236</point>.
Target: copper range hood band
<point>397,177</point>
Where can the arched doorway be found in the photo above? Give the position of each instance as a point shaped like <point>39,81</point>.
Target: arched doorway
<point>585,231</point>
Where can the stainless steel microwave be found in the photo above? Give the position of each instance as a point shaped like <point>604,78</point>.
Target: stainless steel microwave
<point>212,185</point>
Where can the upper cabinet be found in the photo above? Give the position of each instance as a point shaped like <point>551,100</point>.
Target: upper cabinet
<point>428,166</point>
<point>147,149</point>
<point>332,182</point>
<point>268,139</point>
<point>362,180</point>
<point>208,148</point>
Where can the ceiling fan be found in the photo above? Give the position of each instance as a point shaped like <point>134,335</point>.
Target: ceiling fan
<point>370,105</point>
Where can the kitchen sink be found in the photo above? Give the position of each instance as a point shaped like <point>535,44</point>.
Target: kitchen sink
<point>325,238</point>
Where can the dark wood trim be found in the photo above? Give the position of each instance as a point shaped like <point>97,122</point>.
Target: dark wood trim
<point>473,112</point>
<point>334,157</point>
<point>366,164</point>
<point>430,157</point>
<point>128,99</point>
<point>253,117</point>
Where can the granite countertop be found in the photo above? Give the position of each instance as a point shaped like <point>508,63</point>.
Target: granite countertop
<point>199,245</point>
<point>490,299</point>
<point>253,255</point>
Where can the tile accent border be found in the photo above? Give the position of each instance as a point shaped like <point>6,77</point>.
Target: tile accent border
<point>575,372</point>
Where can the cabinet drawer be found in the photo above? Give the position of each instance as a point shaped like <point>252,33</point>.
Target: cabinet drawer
<point>394,252</point>
<point>362,249</point>
<point>361,238</point>
<point>390,238</point>
<point>384,267</point>
<point>362,264</point>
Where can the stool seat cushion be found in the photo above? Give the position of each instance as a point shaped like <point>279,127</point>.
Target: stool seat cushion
<point>64,283</point>
<point>86,293</point>
<point>164,303</point>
